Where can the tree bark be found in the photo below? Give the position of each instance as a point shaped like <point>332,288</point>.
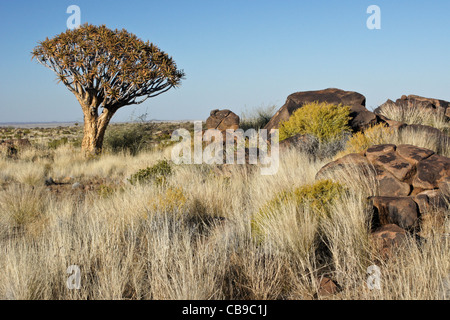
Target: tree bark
<point>94,130</point>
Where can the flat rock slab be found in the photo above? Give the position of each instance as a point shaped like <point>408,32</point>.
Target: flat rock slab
<point>413,154</point>
<point>386,157</point>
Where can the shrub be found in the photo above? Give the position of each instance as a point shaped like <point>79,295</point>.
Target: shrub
<point>256,118</point>
<point>130,137</point>
<point>318,197</point>
<point>23,205</point>
<point>54,144</point>
<point>360,141</point>
<point>157,173</point>
<point>105,191</point>
<point>8,151</point>
<point>317,150</point>
<point>325,121</point>
<point>76,143</point>
<point>172,200</point>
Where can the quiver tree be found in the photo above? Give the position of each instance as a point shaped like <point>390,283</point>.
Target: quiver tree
<point>106,70</point>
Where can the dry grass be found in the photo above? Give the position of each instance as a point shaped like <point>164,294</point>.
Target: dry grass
<point>415,114</point>
<point>143,242</point>
<point>379,134</point>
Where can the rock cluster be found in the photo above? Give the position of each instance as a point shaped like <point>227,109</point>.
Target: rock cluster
<point>437,106</point>
<point>361,117</point>
<point>411,180</point>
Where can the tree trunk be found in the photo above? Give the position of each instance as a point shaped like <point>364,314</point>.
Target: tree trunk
<point>94,130</point>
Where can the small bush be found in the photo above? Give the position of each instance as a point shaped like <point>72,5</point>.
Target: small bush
<point>8,152</point>
<point>318,197</point>
<point>106,191</point>
<point>172,200</point>
<point>130,137</point>
<point>317,150</point>
<point>325,121</point>
<point>157,174</point>
<point>76,143</point>
<point>23,205</point>
<point>256,118</point>
<point>360,141</point>
<point>54,144</point>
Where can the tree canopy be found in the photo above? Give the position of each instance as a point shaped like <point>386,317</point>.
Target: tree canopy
<point>109,68</point>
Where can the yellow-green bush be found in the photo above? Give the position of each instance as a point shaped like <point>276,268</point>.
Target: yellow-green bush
<point>360,141</point>
<point>318,197</point>
<point>158,174</point>
<point>171,200</point>
<point>325,121</point>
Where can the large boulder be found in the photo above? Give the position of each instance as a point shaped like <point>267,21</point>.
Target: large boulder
<point>361,117</point>
<point>411,181</point>
<point>222,120</point>
<point>413,101</point>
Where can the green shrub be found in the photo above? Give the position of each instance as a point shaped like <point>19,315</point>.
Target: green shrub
<point>318,197</point>
<point>360,141</point>
<point>77,142</point>
<point>326,121</point>
<point>157,174</point>
<point>105,191</point>
<point>256,118</point>
<point>131,137</point>
<point>54,144</point>
<point>171,200</point>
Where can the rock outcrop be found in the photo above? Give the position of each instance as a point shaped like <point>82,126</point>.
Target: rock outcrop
<point>222,120</point>
<point>361,117</point>
<point>411,181</point>
<point>437,106</point>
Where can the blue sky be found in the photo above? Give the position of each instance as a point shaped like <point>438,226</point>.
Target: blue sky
<point>237,54</point>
